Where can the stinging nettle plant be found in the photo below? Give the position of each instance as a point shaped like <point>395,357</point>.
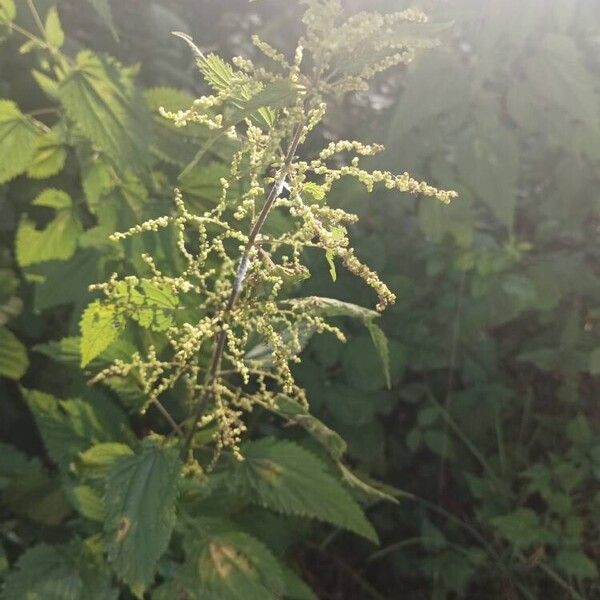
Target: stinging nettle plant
<point>206,333</point>
<point>234,287</point>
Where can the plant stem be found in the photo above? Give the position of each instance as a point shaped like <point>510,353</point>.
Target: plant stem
<point>167,415</point>
<point>236,289</point>
<point>36,17</point>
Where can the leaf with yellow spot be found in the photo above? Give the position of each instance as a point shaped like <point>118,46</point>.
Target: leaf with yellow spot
<point>229,564</point>
<point>140,512</point>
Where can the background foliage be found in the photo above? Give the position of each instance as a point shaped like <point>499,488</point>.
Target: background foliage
<point>490,428</point>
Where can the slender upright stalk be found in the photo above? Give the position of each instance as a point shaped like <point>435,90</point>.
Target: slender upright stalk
<point>221,338</point>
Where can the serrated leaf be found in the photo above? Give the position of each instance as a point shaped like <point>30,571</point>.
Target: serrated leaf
<point>10,309</point>
<point>14,463</point>
<point>295,342</point>
<point>369,487</point>
<point>363,367</point>
<point>49,157</point>
<point>281,475</point>
<point>330,307</point>
<point>13,355</point>
<point>69,427</point>
<point>295,587</point>
<point>229,564</point>
<point>175,145</point>
<point>275,95</point>
<point>298,415</point>
<point>53,198</point>
<point>158,295</point>
<point>48,85</point>
<point>43,572</point>
<point>140,512</point>
<point>99,96</point>
<point>74,276</point>
<point>68,572</point>
<point>170,98</point>
<point>8,11</point>
<point>314,190</point>
<point>100,326</point>
<point>102,8</point>
<point>522,528</point>
<point>18,141</point>
<point>576,563</point>
<point>29,490</point>
<point>88,502</point>
<point>488,163</point>
<point>96,461</point>
<point>55,35</point>
<point>38,495</point>
<point>204,182</point>
<point>58,240</point>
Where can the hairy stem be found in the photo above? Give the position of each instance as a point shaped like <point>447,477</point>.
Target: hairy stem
<point>236,289</point>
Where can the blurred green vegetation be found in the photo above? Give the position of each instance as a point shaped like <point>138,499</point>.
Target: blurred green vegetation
<point>491,426</point>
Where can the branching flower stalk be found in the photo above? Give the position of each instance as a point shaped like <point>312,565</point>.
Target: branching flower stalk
<point>234,289</point>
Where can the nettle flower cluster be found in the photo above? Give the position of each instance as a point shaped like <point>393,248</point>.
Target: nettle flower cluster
<point>237,275</point>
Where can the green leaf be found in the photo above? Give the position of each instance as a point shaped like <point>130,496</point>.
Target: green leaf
<point>53,198</point>
<point>281,475</point>
<point>100,326</point>
<point>140,512</point>
<point>295,587</point>
<point>88,502</point>
<point>49,158</point>
<point>69,572</point>
<point>55,35</point>
<point>29,490</point>
<point>174,145</point>
<point>575,563</point>
<point>363,367</point>
<point>18,141</point>
<point>522,528</point>
<point>96,460</point>
<point>205,182</point>
<point>69,427</point>
<point>274,95</point>
<point>488,162</point>
<point>103,9</point>
<point>48,85</point>
<point>296,414</point>
<point>43,573</point>
<point>558,67</point>
<point>381,345</point>
<point>229,564</point>
<point>330,307</point>
<point>99,96</point>
<point>58,241</point>
<point>170,98</point>
<point>314,190</point>
<point>13,355</point>
<point>13,462</point>
<point>370,488</point>
<point>8,11</point>
<point>295,342</point>
<point>158,295</point>
<point>74,277</point>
